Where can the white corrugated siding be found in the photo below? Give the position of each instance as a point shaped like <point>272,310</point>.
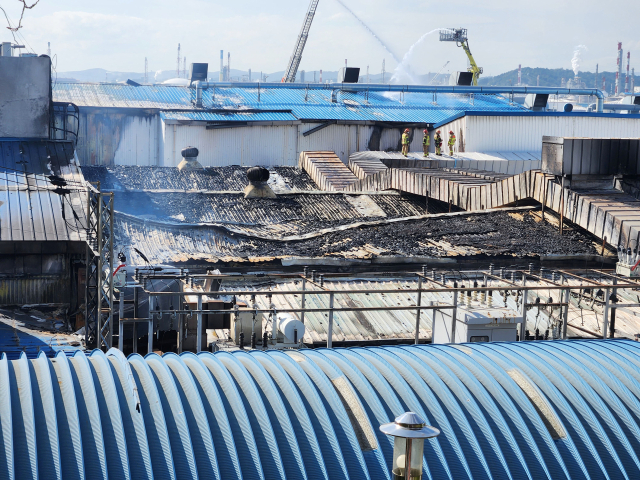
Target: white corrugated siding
<point>107,138</point>
<point>138,142</point>
<point>523,133</point>
<point>246,146</point>
<point>341,139</point>
<point>459,128</point>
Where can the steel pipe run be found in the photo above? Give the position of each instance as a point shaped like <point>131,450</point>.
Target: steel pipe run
<point>376,87</point>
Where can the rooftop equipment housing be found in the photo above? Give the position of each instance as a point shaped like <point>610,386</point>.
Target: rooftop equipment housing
<point>198,72</point>
<point>349,75</point>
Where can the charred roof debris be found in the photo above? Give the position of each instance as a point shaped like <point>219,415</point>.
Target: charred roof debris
<point>276,179</point>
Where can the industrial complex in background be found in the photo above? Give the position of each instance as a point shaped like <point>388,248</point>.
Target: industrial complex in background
<point>232,278</point>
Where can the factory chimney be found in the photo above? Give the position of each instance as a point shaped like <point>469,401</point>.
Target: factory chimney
<point>604,84</point>
<point>49,49</point>
<point>249,75</point>
<point>221,77</point>
<point>626,80</point>
<point>320,76</point>
<point>228,66</point>
<point>619,70</point>
<point>519,75</point>
<point>178,64</point>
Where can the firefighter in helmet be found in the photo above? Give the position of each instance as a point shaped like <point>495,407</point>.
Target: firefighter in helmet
<point>426,141</point>
<point>438,141</point>
<point>405,142</point>
<point>451,142</point>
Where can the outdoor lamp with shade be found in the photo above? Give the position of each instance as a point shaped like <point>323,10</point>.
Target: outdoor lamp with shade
<point>409,430</point>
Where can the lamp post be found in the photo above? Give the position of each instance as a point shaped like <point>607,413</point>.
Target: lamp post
<point>409,431</point>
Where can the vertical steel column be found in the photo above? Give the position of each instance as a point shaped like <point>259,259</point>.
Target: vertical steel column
<point>180,317</point>
<point>562,206</point>
<point>100,292</point>
<point>330,329</point>
<point>199,326</point>
<point>120,324</point>
<point>433,320</point>
<point>525,298</point>
<point>454,314</point>
<point>566,296</point>
<point>150,341</point>
<point>612,323</point>
<point>418,311</point>
<point>304,297</point>
<point>110,279</point>
<point>605,321</point>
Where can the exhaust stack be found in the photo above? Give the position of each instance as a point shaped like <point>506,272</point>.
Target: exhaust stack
<point>258,188</point>
<point>190,159</point>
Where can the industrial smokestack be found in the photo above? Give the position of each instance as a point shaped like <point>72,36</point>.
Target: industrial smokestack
<point>626,81</point>
<point>249,75</point>
<point>320,76</point>
<point>49,49</point>
<point>222,65</point>
<point>178,64</point>
<point>619,72</point>
<point>519,75</point>
<point>604,84</point>
<point>228,66</point>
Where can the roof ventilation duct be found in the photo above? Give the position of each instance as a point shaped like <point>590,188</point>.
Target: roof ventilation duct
<point>258,188</point>
<point>190,159</point>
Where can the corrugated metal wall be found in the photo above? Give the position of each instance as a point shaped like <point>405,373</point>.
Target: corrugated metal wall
<point>260,145</point>
<point>524,133</point>
<point>459,128</point>
<point>271,145</point>
<point>34,289</point>
<point>108,138</point>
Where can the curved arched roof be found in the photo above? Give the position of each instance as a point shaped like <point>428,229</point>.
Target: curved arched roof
<point>506,411</point>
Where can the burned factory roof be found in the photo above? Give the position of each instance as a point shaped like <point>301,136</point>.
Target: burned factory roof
<point>32,208</point>
<point>214,179</point>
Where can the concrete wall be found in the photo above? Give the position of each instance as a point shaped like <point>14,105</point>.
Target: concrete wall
<point>25,97</point>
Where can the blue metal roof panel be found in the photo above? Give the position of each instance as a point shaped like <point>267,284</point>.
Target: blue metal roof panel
<point>506,410</point>
<point>325,104</point>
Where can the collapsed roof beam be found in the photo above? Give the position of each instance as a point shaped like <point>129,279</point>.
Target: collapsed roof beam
<point>376,87</point>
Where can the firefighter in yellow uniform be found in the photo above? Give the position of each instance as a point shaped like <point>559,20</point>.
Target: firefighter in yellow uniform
<point>426,141</point>
<point>452,142</point>
<point>438,141</point>
<point>405,142</point>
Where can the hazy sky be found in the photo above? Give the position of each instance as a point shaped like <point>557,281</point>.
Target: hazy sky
<point>118,34</point>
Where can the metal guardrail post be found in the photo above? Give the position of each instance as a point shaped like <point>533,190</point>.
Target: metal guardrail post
<point>454,314</point>
<point>150,338</point>
<point>199,326</point>
<point>525,298</point>
<point>304,295</point>
<point>330,329</point>
<point>605,321</point>
<point>120,324</point>
<point>612,323</point>
<point>565,312</point>
<point>418,311</point>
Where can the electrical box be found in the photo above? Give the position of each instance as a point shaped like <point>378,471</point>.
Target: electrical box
<point>476,323</point>
<point>631,271</point>
<point>244,322</point>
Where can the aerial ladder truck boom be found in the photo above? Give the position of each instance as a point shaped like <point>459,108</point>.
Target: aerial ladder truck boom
<point>459,35</point>
<point>294,62</point>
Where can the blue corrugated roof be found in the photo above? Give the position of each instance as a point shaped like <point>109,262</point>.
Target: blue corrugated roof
<point>537,410</point>
<point>314,104</point>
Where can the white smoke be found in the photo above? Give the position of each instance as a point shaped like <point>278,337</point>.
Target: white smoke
<point>402,73</point>
<point>157,74</point>
<point>577,58</point>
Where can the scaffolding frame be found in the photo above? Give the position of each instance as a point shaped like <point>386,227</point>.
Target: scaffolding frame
<point>99,298</point>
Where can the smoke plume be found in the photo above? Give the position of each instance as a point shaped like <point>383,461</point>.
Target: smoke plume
<point>577,58</point>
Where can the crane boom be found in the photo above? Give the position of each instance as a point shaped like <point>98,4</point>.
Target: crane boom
<point>459,35</point>
<point>294,62</point>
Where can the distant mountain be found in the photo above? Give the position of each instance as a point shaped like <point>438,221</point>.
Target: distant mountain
<point>550,78</point>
